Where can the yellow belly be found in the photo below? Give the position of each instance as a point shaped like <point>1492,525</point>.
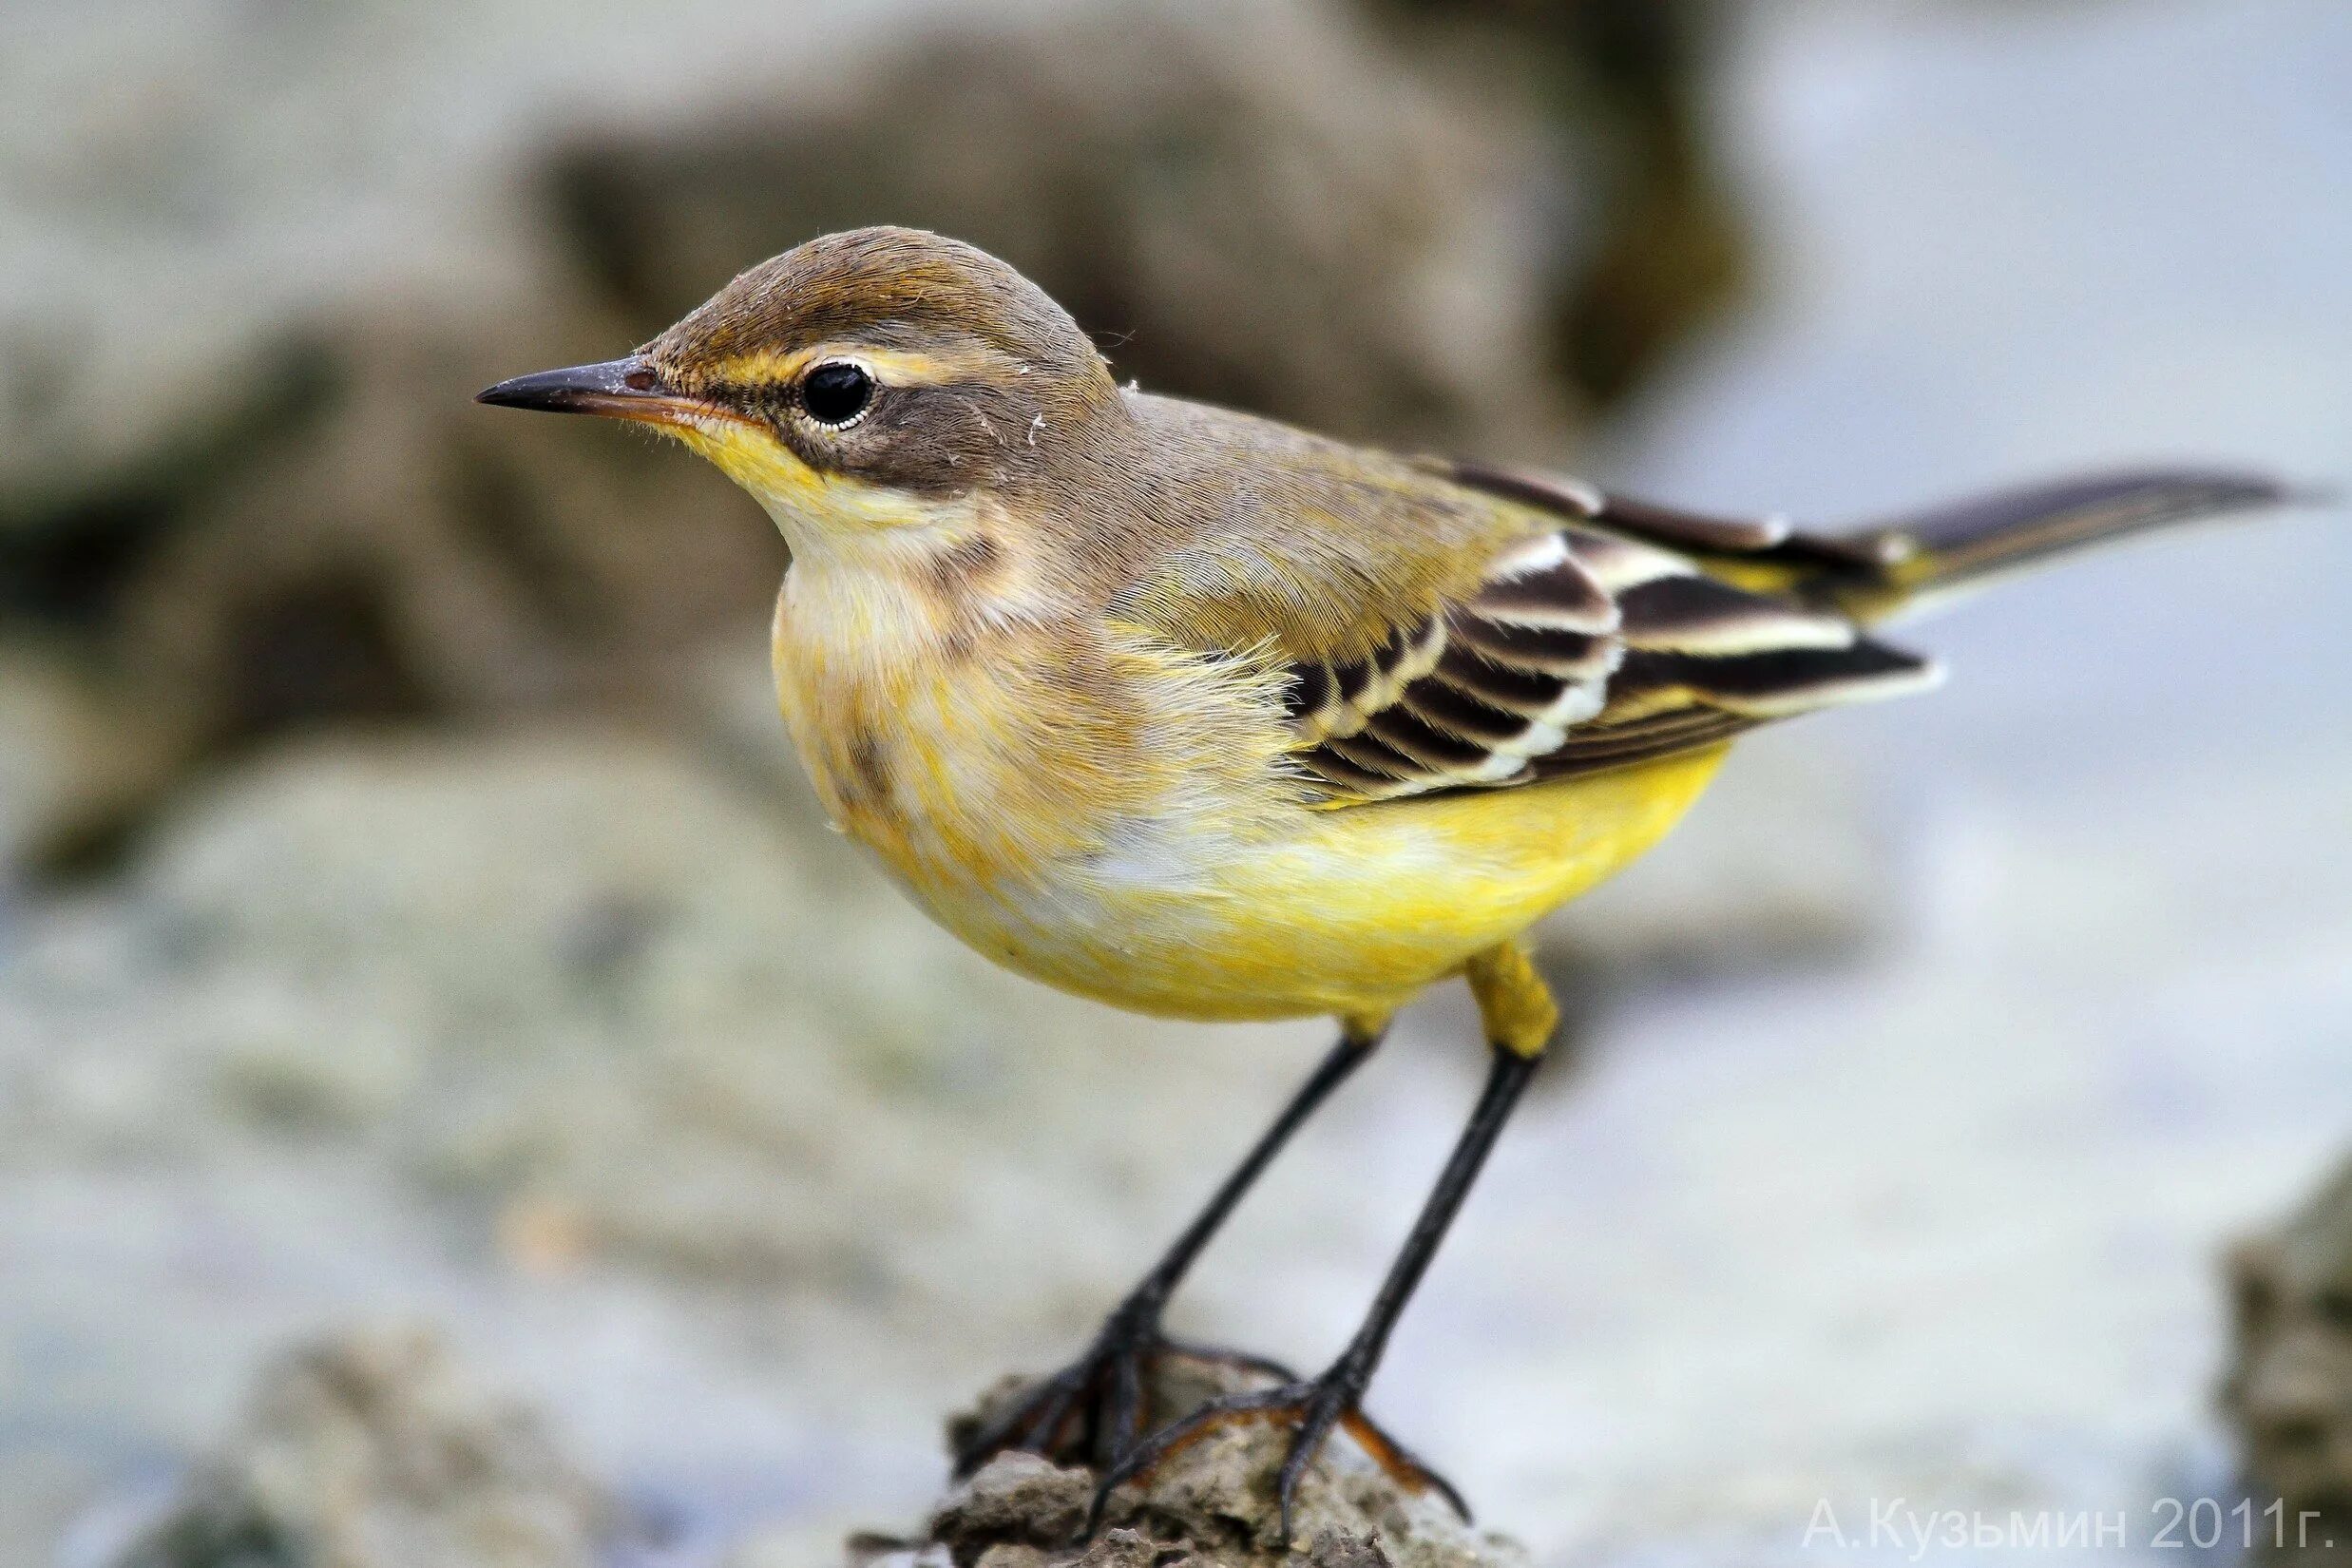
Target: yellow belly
<point>1363,906</point>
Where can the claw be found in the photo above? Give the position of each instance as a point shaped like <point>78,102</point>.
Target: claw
<point>1105,1389</point>
<point>1400,1465</point>
<point>1033,1423</point>
<point>1170,1440</point>
<point>1312,1409</point>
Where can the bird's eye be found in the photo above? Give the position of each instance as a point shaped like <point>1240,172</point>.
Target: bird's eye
<point>836,393</point>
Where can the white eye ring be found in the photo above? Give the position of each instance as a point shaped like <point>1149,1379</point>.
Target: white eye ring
<point>867,387</point>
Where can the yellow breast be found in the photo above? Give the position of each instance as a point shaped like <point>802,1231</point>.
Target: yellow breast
<point>1019,773</point>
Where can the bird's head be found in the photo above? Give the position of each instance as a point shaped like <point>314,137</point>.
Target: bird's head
<point>878,380</point>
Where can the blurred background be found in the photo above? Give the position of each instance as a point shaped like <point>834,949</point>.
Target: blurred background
<point>414,931</point>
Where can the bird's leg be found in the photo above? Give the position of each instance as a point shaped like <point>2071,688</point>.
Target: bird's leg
<point>1312,1408</point>
<point>1105,1384</point>
<point>1520,1019</point>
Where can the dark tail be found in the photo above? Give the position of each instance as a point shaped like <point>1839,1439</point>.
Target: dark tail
<point>1917,559</point>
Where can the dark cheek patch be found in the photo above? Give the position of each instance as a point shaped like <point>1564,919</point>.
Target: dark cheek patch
<point>934,442</point>
<point>938,442</point>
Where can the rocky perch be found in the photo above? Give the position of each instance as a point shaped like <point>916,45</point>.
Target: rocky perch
<point>1210,1503</point>
<point>380,1449</point>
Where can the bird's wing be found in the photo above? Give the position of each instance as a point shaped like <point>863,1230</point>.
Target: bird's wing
<point>1579,650</point>
<point>1622,635</point>
<point>1445,627</point>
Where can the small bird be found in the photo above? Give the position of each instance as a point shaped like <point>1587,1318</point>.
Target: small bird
<point>1205,716</point>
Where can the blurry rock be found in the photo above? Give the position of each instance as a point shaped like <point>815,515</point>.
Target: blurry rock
<point>1628,80</point>
<point>381,553</point>
<point>527,970</point>
<point>1259,205</point>
<point>180,256</point>
<point>74,756</point>
<point>390,553</point>
<point>247,288</point>
<point>1210,1503</point>
<point>368,544</point>
<point>2288,1390</point>
<point>377,1449</point>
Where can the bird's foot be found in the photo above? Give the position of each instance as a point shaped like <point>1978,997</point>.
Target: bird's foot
<point>1310,1409</point>
<point>1096,1407</point>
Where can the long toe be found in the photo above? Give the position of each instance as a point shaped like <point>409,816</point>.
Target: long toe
<point>1098,1408</point>
<point>1332,1402</point>
<point>1148,1454</point>
<point>1402,1465</point>
<point>1322,1410</point>
<point>1035,1421</point>
<point>1312,1409</point>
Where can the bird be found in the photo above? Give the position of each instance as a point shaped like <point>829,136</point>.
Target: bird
<point>1201,716</point>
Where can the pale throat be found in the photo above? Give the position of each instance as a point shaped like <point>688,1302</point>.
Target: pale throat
<point>927,585</point>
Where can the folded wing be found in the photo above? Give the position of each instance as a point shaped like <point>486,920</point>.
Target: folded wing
<point>1580,649</point>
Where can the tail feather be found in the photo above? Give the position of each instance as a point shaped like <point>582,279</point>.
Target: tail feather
<point>1928,555</point>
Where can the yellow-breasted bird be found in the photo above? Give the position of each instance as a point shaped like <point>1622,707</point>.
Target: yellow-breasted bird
<point>1205,716</point>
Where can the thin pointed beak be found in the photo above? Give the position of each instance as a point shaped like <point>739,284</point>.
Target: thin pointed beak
<point>617,389</point>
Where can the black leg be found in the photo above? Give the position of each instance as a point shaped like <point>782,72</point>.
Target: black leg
<point>1312,1408</point>
<point>1111,1372</point>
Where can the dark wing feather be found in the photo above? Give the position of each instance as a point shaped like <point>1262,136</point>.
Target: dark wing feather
<point>1579,650</point>
<point>1621,745</point>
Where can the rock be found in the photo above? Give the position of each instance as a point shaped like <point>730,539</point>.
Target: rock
<point>2289,1389</point>
<point>378,1449</point>
<point>1260,204</point>
<point>245,306</point>
<point>77,756</point>
<point>1210,1503</point>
